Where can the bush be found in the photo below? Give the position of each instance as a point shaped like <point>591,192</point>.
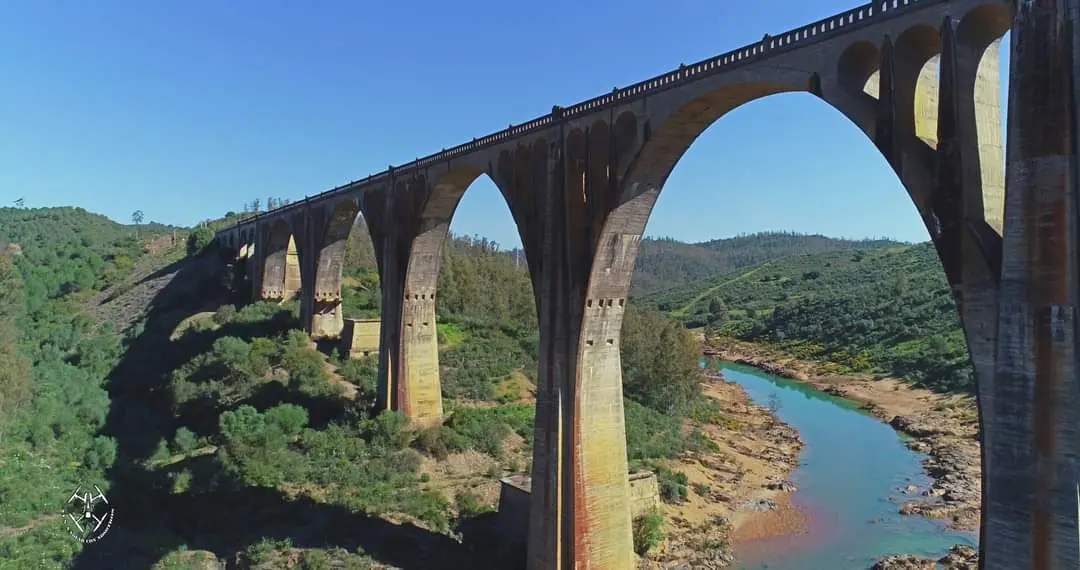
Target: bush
<point>184,440</point>
<point>673,485</point>
<point>199,240</point>
<point>289,418</point>
<point>647,532</point>
<point>469,504</point>
<point>224,314</point>
<point>482,429</point>
<point>362,373</point>
<point>440,441</point>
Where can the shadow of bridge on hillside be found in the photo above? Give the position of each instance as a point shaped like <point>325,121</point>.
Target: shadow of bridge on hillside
<point>216,513</point>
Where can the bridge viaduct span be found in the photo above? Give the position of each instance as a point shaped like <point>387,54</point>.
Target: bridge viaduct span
<point>919,77</point>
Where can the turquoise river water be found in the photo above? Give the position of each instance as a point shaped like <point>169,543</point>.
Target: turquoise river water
<point>851,469</point>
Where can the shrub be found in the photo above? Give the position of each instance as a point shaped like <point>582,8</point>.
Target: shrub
<point>469,504</point>
<point>184,440</point>
<point>224,314</point>
<point>289,418</point>
<point>647,532</point>
<point>199,240</point>
<point>673,485</point>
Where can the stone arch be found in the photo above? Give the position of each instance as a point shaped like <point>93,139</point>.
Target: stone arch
<point>436,213</point>
<point>522,174</point>
<point>322,308</point>
<point>281,267</point>
<point>858,68</point>
<point>918,56</point>
<point>619,241</point>
<point>418,391</point>
<point>979,33</point>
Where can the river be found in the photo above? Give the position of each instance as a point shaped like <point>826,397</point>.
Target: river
<point>849,481</point>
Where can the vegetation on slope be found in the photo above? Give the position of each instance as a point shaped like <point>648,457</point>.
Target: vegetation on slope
<point>665,263</point>
<point>885,310</point>
<point>263,450</point>
<point>53,369</point>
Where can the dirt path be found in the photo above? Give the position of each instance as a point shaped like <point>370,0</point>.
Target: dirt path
<point>943,427</point>
<point>9,531</point>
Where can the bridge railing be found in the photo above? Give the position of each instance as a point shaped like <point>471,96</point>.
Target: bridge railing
<point>768,46</point>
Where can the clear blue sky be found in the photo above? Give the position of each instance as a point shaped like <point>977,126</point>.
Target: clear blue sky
<point>186,110</point>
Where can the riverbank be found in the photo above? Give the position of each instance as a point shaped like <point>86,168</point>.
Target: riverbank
<point>944,427</point>
<point>738,493</point>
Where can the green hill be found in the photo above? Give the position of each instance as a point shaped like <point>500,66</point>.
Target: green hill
<point>664,263</point>
<point>226,413</point>
<point>49,227</point>
<point>886,310</point>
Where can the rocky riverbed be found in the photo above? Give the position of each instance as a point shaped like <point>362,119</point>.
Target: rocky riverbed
<point>959,558</point>
<point>944,427</point>
<point>739,492</point>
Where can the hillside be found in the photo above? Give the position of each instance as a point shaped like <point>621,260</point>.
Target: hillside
<point>55,365</point>
<point>224,414</point>
<point>664,263</point>
<point>885,310</point>
<point>46,227</point>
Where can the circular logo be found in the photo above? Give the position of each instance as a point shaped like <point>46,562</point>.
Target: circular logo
<point>88,515</point>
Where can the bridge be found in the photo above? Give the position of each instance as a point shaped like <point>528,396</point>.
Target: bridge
<point>919,77</point>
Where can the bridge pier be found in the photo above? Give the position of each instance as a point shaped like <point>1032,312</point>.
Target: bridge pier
<point>1033,444</point>
<point>408,260</point>
<point>579,516</point>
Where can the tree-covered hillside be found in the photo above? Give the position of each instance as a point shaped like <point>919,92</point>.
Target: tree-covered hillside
<point>885,310</point>
<point>261,449</point>
<point>54,365</point>
<point>665,263</point>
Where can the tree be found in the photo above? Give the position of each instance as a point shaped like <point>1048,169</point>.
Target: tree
<point>199,239</point>
<point>255,205</point>
<point>659,361</point>
<point>137,218</point>
<point>271,203</point>
<point>20,203</point>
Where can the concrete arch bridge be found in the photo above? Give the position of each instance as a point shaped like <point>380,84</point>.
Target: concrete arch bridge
<point>919,77</point>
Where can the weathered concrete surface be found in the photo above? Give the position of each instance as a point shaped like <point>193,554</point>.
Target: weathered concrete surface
<point>422,400</point>
<point>1032,492</point>
<point>514,501</point>
<point>360,337</point>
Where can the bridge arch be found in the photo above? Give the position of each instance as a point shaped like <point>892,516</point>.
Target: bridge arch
<point>858,67</point>
<point>322,307</point>
<point>904,69</point>
<point>418,390</point>
<point>919,55</point>
<point>280,279</point>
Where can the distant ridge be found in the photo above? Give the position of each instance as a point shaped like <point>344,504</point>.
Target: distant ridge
<point>665,263</point>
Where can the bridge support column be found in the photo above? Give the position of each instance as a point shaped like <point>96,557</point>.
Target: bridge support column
<point>325,229</point>
<point>419,392</point>
<point>580,514</point>
<point>1032,490</point>
<point>391,256</point>
<point>391,276</point>
<point>408,245</point>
